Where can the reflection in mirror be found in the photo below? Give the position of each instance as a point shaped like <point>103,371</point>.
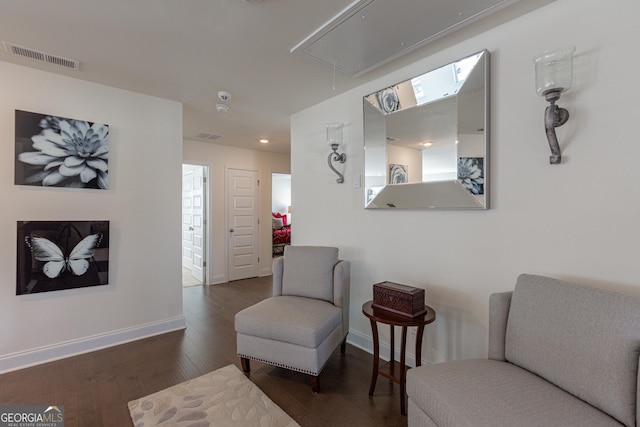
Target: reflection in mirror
<point>426,139</point>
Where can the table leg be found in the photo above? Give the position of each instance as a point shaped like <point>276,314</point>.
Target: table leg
<point>403,371</point>
<point>376,356</point>
<point>420,332</point>
<point>392,351</point>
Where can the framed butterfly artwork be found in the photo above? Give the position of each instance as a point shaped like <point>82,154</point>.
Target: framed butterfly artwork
<point>57,255</point>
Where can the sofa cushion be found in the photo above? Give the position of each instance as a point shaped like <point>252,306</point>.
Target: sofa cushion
<point>584,340</point>
<point>308,271</point>
<point>296,320</point>
<point>490,393</point>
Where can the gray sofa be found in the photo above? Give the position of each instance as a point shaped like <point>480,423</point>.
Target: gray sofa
<point>560,354</point>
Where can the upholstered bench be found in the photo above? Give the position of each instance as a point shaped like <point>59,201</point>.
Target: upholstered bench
<point>560,354</point>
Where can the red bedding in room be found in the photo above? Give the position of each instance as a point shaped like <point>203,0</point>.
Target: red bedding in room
<point>281,234</point>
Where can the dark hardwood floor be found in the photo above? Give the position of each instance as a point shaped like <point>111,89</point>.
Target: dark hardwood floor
<point>94,388</point>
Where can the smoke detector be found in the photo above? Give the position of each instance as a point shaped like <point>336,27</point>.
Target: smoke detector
<point>222,108</point>
<point>223,95</point>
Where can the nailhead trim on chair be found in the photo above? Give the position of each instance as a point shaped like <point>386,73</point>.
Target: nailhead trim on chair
<point>280,365</point>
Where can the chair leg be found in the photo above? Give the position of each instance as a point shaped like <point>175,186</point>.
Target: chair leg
<point>343,346</point>
<point>246,365</point>
<point>315,384</point>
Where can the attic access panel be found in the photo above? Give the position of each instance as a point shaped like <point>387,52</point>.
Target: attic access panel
<point>370,33</point>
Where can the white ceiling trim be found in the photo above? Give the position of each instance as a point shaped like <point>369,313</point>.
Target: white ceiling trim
<point>370,33</point>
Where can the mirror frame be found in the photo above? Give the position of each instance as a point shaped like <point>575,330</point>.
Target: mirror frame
<point>383,105</point>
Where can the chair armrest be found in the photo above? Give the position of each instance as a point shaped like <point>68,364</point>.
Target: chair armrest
<point>277,268</point>
<point>341,290</point>
<point>638,396</point>
<point>499,304</point>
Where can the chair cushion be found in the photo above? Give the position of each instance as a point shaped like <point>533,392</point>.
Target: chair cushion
<point>296,320</point>
<point>490,393</point>
<point>308,271</point>
<point>584,340</point>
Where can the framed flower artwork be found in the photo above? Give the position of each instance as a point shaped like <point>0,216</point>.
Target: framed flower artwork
<point>471,174</point>
<point>398,174</point>
<point>53,151</point>
<point>388,99</point>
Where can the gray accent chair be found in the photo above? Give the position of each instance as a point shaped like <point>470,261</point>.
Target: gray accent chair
<point>560,354</point>
<point>307,317</point>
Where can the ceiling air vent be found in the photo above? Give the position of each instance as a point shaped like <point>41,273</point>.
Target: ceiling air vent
<point>41,56</point>
<point>208,136</point>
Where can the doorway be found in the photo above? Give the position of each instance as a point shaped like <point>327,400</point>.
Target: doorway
<point>280,212</point>
<point>194,223</point>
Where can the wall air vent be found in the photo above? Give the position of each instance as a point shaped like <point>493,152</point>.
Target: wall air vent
<point>41,56</point>
<point>208,136</point>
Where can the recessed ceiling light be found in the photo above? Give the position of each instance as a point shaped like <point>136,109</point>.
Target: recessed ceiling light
<point>427,144</point>
<point>264,141</point>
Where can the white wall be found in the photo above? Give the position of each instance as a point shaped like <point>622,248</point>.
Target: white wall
<point>144,294</point>
<point>280,192</point>
<point>219,158</point>
<point>577,220</point>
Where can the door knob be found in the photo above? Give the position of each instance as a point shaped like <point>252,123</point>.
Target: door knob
<point>231,230</point>
<point>190,228</point>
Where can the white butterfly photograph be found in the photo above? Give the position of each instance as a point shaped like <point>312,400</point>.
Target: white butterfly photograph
<point>56,255</point>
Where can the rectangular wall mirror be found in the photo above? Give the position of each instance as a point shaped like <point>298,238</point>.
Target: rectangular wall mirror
<point>426,139</point>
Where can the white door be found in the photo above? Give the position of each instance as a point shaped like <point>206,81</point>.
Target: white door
<point>198,199</point>
<point>243,222</point>
<point>193,220</point>
<point>187,218</point>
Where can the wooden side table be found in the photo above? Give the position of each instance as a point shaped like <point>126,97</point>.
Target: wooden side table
<point>392,370</point>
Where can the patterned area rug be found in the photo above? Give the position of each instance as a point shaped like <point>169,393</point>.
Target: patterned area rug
<point>225,397</point>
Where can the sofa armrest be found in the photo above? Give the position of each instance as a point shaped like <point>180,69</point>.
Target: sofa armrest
<point>499,304</point>
<point>277,268</point>
<point>341,290</point>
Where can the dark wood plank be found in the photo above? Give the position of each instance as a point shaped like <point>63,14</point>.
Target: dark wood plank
<point>94,388</point>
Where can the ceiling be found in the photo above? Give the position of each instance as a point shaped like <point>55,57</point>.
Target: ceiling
<point>189,50</point>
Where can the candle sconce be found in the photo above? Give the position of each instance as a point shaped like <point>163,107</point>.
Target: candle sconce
<point>554,70</point>
<point>334,139</point>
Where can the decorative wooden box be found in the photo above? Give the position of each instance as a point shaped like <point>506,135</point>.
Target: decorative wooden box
<point>399,299</point>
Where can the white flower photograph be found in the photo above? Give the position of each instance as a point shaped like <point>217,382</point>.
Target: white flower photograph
<point>54,151</point>
<point>398,174</point>
<point>471,174</point>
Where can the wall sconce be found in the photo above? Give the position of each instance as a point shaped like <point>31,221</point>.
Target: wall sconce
<point>554,70</point>
<point>334,139</point>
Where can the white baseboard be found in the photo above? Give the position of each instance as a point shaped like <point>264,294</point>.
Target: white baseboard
<point>24,359</point>
<point>216,280</point>
<point>266,272</point>
<point>365,342</point>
